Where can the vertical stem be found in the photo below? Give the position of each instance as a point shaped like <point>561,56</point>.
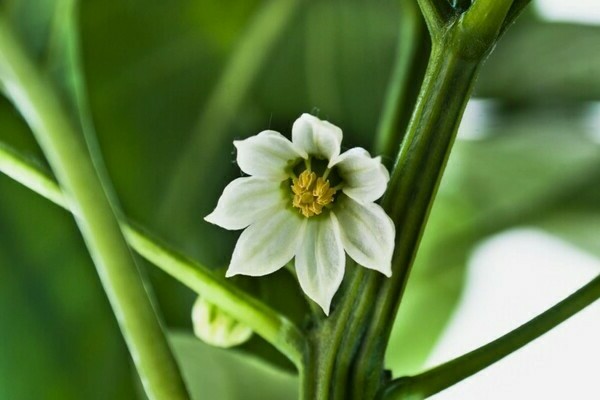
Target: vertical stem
<point>460,44</point>
<point>66,152</point>
<point>325,377</point>
<point>339,336</point>
<point>421,161</point>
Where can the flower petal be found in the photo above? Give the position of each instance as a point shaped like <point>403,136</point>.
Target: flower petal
<point>268,244</point>
<point>267,155</point>
<point>246,200</point>
<point>316,137</point>
<point>367,234</point>
<point>320,260</point>
<point>365,177</point>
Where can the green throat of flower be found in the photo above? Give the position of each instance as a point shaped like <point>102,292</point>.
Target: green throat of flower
<point>312,191</point>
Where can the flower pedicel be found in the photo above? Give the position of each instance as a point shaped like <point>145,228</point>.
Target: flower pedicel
<point>304,199</point>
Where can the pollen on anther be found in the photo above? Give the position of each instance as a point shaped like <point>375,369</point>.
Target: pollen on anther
<point>311,193</point>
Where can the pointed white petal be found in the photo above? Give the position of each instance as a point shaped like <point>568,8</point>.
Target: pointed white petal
<point>320,260</point>
<point>267,155</point>
<point>367,234</point>
<point>365,178</point>
<point>268,244</point>
<point>316,137</point>
<point>246,200</point>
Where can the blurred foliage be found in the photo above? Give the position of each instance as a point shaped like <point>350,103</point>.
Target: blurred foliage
<point>534,167</point>
<point>543,62</point>
<point>150,70</point>
<point>210,371</point>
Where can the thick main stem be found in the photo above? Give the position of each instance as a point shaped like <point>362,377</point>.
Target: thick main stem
<point>334,350</point>
<point>423,155</point>
<point>460,44</point>
<point>67,155</point>
<point>324,377</point>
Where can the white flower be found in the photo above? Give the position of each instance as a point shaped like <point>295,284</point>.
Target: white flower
<point>304,199</point>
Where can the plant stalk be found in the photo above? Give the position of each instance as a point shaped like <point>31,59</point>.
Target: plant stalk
<point>34,97</point>
<point>454,371</point>
<point>460,43</point>
<point>273,327</point>
<point>448,82</point>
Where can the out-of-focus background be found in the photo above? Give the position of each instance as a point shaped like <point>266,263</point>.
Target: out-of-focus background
<point>515,228</point>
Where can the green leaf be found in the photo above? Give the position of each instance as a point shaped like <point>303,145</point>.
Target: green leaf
<point>544,62</point>
<point>213,373</point>
<point>576,226</point>
<point>33,21</point>
<point>60,339</point>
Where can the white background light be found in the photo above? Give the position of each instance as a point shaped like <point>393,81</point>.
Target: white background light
<point>581,11</point>
<point>512,278</point>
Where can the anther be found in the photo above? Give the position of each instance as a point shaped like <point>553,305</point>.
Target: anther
<point>312,193</point>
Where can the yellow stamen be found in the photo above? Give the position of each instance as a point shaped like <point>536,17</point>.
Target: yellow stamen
<point>311,193</point>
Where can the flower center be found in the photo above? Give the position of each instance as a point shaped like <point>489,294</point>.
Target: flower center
<point>312,193</point>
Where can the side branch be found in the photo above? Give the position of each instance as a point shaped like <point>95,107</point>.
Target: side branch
<point>411,60</point>
<point>437,14</point>
<point>452,372</point>
<point>266,322</point>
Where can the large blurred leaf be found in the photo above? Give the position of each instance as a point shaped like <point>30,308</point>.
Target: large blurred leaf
<point>147,90</point>
<point>59,338</point>
<point>580,227</point>
<point>212,373</point>
<point>336,61</point>
<point>532,167</point>
<point>544,62</point>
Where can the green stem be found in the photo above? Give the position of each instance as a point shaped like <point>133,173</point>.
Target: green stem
<point>325,341</point>
<point>459,45</point>
<point>437,14</point>
<point>273,327</point>
<point>448,83</point>
<point>484,21</point>
<point>67,155</point>
<point>353,329</point>
<point>209,134</point>
<point>338,336</point>
<point>452,372</point>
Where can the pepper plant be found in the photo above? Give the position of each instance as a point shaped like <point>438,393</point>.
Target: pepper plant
<point>333,316</point>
